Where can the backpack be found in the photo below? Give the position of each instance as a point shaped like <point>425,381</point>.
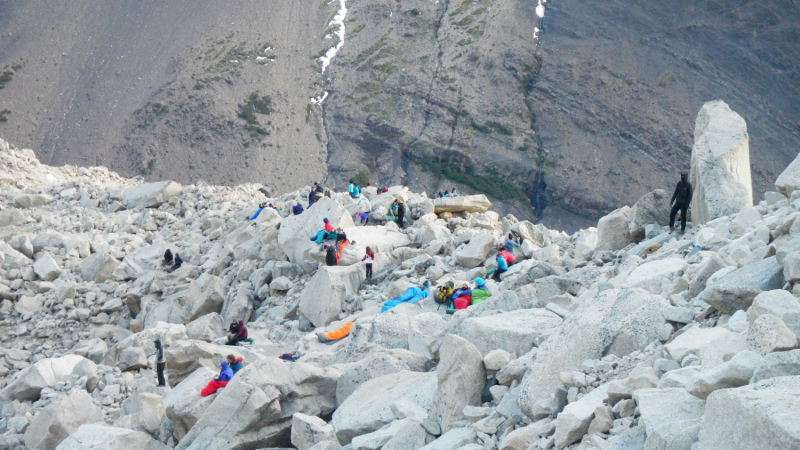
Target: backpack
<point>510,259</point>
<point>444,293</point>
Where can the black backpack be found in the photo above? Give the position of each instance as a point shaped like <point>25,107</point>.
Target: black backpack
<point>330,256</point>
<point>444,293</point>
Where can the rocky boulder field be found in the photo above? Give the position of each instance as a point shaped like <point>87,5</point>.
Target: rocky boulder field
<point>619,337</point>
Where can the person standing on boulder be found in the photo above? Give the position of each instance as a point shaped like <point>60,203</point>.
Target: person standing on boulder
<point>369,257</point>
<point>161,362</point>
<point>680,202</point>
<point>401,212</point>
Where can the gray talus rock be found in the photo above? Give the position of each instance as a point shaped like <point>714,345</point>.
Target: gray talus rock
<point>731,374</point>
<point>778,364</point>
<point>32,200</point>
<point>369,407</point>
<point>461,377</point>
<point>22,243</point>
<point>653,208</point>
<point>467,203</point>
<point>98,267</point>
<point>779,303</point>
<point>761,415</point>
<point>103,437</point>
<point>151,412</point>
<point>46,268</point>
<point>307,431</point>
<point>255,409</point>
<point>476,252</point>
<point>612,322</point>
<point>184,357</point>
<point>206,328</point>
<point>769,334</point>
<point>150,195</point>
<point>737,289</point>
<point>453,439</point>
<point>613,230</point>
<point>60,419</point>
<point>184,405</point>
<point>373,366</point>
<point>720,172</point>
<point>712,345</point>
<point>132,358</point>
<point>789,180</point>
<point>206,295</point>
<point>672,417</point>
<point>29,382</point>
<point>512,331</point>
<point>324,295</point>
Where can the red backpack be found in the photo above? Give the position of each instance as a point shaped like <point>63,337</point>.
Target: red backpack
<point>510,259</point>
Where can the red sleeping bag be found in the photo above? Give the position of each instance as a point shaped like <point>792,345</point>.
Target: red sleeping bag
<point>212,387</point>
<point>462,302</point>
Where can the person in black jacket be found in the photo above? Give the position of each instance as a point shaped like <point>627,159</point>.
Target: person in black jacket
<point>161,362</point>
<point>401,212</point>
<point>680,202</point>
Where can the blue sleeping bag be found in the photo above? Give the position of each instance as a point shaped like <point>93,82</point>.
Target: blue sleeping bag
<point>412,295</point>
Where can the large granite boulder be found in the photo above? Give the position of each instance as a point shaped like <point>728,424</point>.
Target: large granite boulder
<point>613,230</point>
<point>46,267</point>
<point>671,416</point>
<point>324,295</point>
<point>206,295</point>
<point>611,322</point>
<point>60,419</point>
<point>737,289</point>
<point>467,203</point>
<point>184,357</point>
<point>477,250</point>
<point>653,208</point>
<point>761,415</point>
<point>369,407</point>
<point>97,436</point>
<point>460,380</point>
<point>255,409</point>
<point>296,231</point>
<point>512,331</point>
<point>789,180</point>
<point>32,200</point>
<point>150,195</point>
<point>28,383</point>
<point>720,172</point>
<point>99,267</point>
<point>184,405</point>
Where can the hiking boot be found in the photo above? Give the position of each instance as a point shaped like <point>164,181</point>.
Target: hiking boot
<point>671,229</point>
<point>682,231</point>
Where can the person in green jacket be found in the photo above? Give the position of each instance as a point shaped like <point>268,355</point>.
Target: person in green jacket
<point>480,292</point>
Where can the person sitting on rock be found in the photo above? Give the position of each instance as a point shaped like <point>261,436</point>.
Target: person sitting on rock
<point>235,363</point>
<point>240,334</point>
<point>341,243</point>
<point>356,191</point>
<point>328,233</point>
<point>480,292</point>
<point>502,266</point>
<point>510,243</point>
<point>176,264</point>
<point>297,209</point>
<point>401,212</point>
<point>168,258</point>
<point>446,193</point>
<point>453,192</point>
<point>350,188</point>
<point>462,297</point>
<point>220,381</point>
<point>271,206</point>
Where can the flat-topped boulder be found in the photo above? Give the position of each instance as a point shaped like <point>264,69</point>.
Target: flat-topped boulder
<point>467,203</point>
<point>150,195</point>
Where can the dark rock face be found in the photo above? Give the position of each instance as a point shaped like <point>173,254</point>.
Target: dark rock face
<point>621,84</point>
<point>433,95</point>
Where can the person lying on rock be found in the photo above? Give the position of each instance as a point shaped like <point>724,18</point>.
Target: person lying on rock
<point>237,333</point>
<point>480,292</point>
<point>220,381</point>
<point>177,263</point>
<point>462,297</point>
<point>236,364</point>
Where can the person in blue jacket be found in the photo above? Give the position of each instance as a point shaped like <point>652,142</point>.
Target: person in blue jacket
<point>356,190</point>
<point>502,266</point>
<point>235,364</point>
<point>297,209</point>
<point>225,373</point>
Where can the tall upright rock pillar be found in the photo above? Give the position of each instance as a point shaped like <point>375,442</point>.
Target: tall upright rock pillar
<point>720,164</point>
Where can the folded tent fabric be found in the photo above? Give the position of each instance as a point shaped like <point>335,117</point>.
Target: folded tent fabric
<point>336,334</point>
<point>411,296</point>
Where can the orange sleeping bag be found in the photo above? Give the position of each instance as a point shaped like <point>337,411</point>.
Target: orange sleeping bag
<point>337,334</point>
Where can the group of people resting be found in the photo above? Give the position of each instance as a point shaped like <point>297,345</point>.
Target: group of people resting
<point>228,369</point>
<point>505,256</point>
<point>237,332</point>
<point>336,242</point>
<point>465,296</point>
